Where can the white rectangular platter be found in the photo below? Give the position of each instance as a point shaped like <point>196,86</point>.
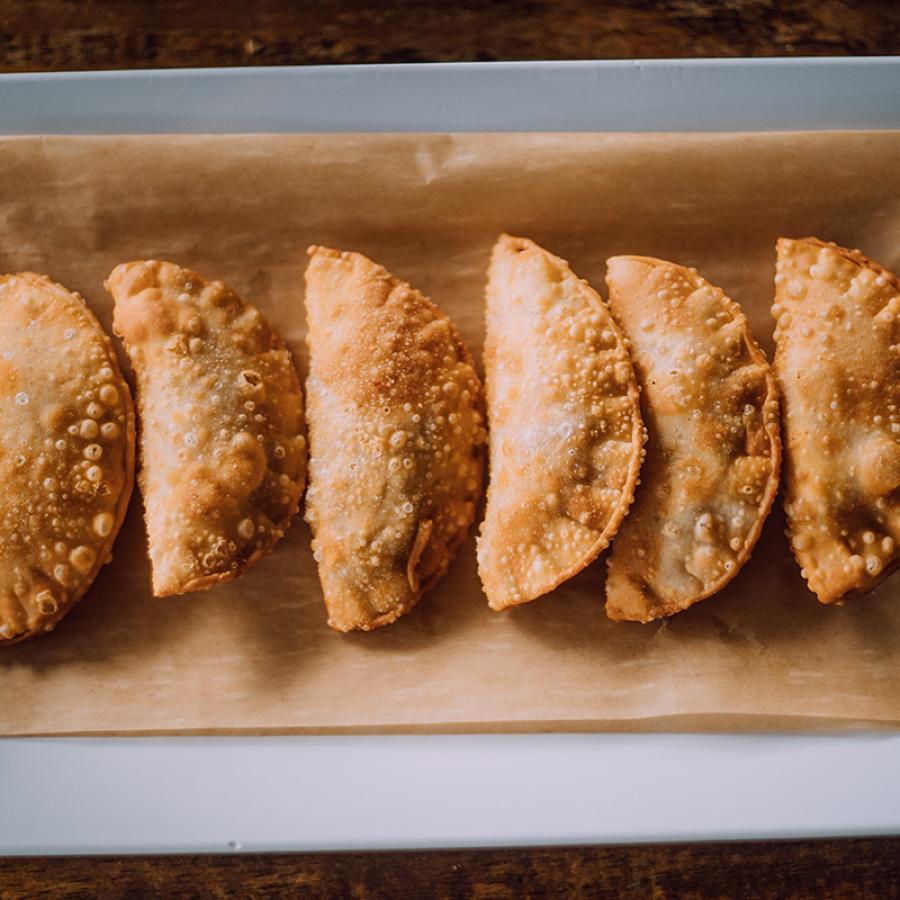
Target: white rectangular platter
<point>109,795</point>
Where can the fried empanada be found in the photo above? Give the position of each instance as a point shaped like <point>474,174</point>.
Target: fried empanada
<point>837,359</point>
<point>223,456</point>
<point>396,439</point>
<point>711,406</point>
<point>566,433</point>
<point>66,452</point>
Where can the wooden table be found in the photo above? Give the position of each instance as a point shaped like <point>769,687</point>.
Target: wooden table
<point>110,34</point>
<point>869,868</point>
<point>41,35</point>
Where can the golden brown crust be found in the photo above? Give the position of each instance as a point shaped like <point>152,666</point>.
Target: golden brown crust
<point>838,361</point>
<point>566,433</point>
<point>711,473</point>
<point>67,457</point>
<point>223,456</point>
<point>396,439</point>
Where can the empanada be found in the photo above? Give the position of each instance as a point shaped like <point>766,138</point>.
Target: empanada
<point>711,406</point>
<point>396,439</point>
<point>837,359</point>
<point>66,452</point>
<point>223,456</point>
<point>566,433</point>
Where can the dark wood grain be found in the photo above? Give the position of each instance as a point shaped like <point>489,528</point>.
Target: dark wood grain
<point>105,34</point>
<point>40,35</point>
<point>851,868</point>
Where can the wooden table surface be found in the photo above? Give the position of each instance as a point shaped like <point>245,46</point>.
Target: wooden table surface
<point>45,35</point>
<point>109,34</point>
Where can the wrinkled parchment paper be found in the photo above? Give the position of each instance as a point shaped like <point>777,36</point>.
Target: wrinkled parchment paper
<point>256,655</point>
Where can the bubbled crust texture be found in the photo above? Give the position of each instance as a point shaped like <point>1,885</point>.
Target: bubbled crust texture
<point>223,457</point>
<point>396,439</point>
<point>566,434</point>
<point>711,473</point>
<point>837,358</point>
<point>66,452</point>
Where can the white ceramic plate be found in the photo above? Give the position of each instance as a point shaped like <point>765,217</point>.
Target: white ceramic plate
<point>107,795</point>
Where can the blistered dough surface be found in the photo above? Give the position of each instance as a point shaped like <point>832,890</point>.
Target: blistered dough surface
<point>66,452</point>
<point>566,433</point>
<point>837,358</point>
<point>713,453</point>
<point>396,439</point>
<point>223,456</point>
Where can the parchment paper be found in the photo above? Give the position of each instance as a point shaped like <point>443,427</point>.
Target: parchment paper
<point>256,655</point>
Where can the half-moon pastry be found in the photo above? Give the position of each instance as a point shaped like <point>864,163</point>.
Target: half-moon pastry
<point>837,359</point>
<point>66,452</point>
<point>566,433</point>
<point>396,439</point>
<point>713,456</point>
<point>223,456</point>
